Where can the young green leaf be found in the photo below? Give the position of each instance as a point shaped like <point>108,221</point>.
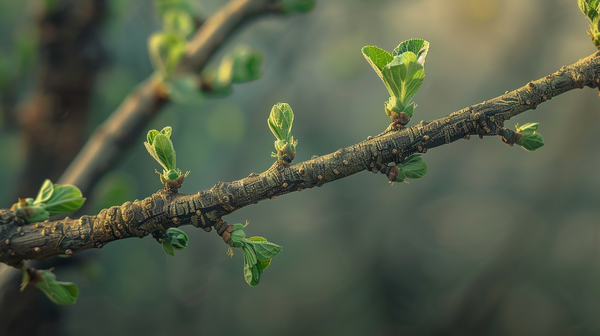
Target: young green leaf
<point>167,131</point>
<point>263,249</point>
<point>531,139</point>
<point>177,238</point>
<point>531,142</point>
<point>45,192</point>
<point>418,47</point>
<point>63,293</point>
<point>403,76</point>
<point>151,135</point>
<point>168,247</point>
<point>414,167</point>
<point>377,57</point>
<point>65,198</point>
<point>280,121</point>
<point>163,147</point>
<point>527,129</point>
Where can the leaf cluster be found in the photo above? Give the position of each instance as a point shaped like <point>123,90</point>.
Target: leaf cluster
<point>258,253</point>
<point>402,73</point>
<point>52,199</point>
<point>280,122</point>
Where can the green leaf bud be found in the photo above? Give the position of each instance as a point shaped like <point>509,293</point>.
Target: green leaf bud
<point>280,121</point>
<point>402,73</point>
<point>177,238</point>
<point>531,140</point>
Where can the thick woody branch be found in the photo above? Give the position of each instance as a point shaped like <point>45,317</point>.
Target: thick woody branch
<point>107,144</point>
<point>205,209</point>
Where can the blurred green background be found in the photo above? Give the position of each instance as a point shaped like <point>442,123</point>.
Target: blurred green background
<point>493,241</point>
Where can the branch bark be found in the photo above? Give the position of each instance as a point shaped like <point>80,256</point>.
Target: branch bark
<point>205,209</point>
<point>115,135</point>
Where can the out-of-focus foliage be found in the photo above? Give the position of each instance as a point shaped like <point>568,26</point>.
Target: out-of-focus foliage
<point>495,241</point>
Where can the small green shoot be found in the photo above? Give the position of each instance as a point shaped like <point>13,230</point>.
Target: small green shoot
<point>52,199</point>
<point>160,147</point>
<point>402,73</point>
<point>280,122</point>
<point>258,253</point>
<point>531,139</point>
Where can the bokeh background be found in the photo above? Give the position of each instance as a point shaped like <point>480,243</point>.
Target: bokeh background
<point>494,240</point>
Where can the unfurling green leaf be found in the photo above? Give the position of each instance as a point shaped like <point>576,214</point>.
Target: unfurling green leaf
<point>527,129</point>
<point>171,240</point>
<point>177,238</point>
<point>52,199</point>
<point>413,167</point>
<point>402,73</point>
<point>418,47</point>
<point>531,139</point>
<point>65,198</point>
<point>160,147</point>
<point>280,122</point>
<point>63,293</point>
<point>257,251</point>
<point>45,192</point>
<point>377,57</point>
<point>403,76</point>
<point>163,147</point>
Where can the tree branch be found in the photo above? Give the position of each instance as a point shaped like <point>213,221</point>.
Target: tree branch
<point>205,209</point>
<point>106,145</point>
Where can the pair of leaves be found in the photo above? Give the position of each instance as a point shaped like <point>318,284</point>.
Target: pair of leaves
<point>402,72</point>
<point>52,199</point>
<point>531,139</point>
<point>173,239</point>
<point>160,147</point>
<point>59,292</point>
<point>58,199</point>
<point>258,253</point>
<point>412,167</point>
